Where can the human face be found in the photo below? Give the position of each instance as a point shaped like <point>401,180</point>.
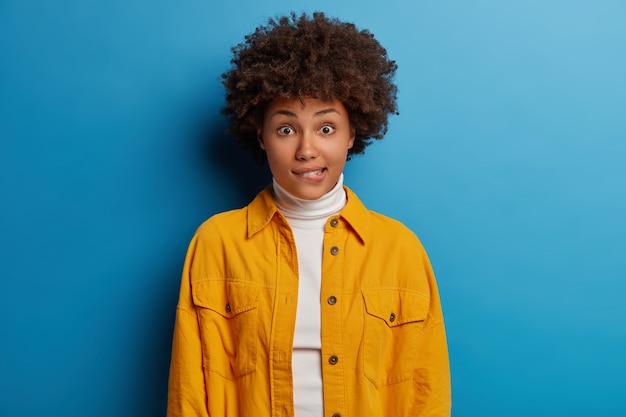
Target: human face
<point>307,143</point>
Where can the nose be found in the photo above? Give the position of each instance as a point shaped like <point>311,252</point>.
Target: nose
<point>307,148</point>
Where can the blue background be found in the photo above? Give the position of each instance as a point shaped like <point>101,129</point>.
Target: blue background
<point>508,160</point>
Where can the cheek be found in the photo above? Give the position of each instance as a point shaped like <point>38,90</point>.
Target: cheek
<point>275,155</point>
<point>340,153</point>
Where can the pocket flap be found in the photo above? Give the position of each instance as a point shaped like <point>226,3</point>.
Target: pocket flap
<point>396,306</point>
<point>227,298</point>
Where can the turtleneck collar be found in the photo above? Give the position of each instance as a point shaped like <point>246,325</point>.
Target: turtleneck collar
<point>296,208</point>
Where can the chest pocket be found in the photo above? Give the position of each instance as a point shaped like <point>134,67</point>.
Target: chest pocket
<point>228,320</point>
<point>394,320</point>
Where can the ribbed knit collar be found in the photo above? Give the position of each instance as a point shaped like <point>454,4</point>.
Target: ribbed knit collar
<point>296,208</point>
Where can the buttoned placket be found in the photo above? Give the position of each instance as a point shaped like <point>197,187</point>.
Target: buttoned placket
<point>332,331</point>
<point>281,343</point>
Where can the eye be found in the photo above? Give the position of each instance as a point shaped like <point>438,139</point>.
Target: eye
<point>327,129</point>
<point>285,130</point>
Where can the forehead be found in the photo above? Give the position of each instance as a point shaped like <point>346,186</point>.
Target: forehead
<point>304,106</point>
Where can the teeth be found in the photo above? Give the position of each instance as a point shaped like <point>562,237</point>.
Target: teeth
<point>312,173</point>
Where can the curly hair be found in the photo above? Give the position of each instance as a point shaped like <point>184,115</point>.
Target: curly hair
<point>302,56</point>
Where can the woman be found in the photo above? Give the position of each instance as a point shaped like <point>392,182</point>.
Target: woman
<point>304,302</point>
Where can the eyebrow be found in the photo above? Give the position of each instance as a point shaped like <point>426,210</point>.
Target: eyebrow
<point>295,116</point>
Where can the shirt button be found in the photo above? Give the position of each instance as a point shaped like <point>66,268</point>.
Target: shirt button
<point>336,415</point>
<point>228,308</point>
<point>333,360</point>
<point>334,250</point>
<point>332,300</point>
<point>392,317</point>
<point>334,222</point>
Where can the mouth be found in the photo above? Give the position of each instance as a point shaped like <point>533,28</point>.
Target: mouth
<point>310,173</point>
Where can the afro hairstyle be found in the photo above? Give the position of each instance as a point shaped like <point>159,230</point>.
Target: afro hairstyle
<point>310,56</point>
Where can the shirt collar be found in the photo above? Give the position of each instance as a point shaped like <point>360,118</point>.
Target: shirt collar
<point>357,216</point>
<point>263,208</point>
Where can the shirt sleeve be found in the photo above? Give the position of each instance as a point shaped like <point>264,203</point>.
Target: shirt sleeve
<point>431,377</point>
<point>187,394</point>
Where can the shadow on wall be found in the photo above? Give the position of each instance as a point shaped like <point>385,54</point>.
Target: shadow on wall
<point>230,179</point>
<point>237,171</point>
<point>157,320</point>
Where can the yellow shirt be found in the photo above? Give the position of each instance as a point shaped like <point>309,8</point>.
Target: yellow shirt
<point>384,348</point>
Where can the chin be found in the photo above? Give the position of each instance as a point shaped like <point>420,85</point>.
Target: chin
<point>310,194</point>
<point>307,196</point>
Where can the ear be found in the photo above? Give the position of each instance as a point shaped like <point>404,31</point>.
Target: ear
<point>352,137</point>
<point>259,137</point>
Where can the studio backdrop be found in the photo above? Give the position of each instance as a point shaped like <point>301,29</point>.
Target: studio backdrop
<point>507,160</point>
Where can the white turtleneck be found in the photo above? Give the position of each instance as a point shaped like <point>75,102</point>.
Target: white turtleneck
<point>307,219</point>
